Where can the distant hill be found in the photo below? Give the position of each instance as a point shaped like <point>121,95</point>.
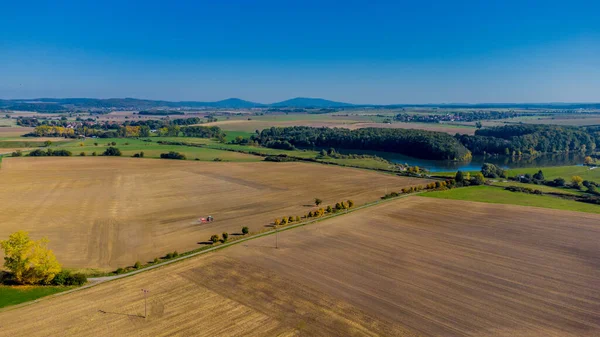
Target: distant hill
<point>83,104</point>
<point>305,102</point>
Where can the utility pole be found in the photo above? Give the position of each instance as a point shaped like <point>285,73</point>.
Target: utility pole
<point>145,302</point>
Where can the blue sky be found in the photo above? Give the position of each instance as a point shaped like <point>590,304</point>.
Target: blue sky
<point>354,51</point>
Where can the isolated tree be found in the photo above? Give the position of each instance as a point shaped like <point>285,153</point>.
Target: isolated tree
<point>338,206</point>
<point>30,262</point>
<point>245,230</point>
<point>225,236</point>
<point>576,181</point>
<point>588,160</point>
<point>284,221</point>
<point>95,144</point>
<point>277,222</point>
<point>329,209</point>
<point>539,176</point>
<point>112,151</point>
<point>214,238</point>
<point>459,177</point>
<point>113,143</point>
<point>350,203</point>
<point>291,219</point>
<point>318,201</point>
<point>478,179</point>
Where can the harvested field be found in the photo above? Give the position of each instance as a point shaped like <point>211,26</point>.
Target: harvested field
<point>252,125</point>
<point>447,128</point>
<point>14,131</point>
<point>105,212</point>
<point>407,267</point>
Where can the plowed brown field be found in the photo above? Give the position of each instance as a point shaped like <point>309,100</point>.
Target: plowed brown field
<point>410,266</point>
<point>111,212</point>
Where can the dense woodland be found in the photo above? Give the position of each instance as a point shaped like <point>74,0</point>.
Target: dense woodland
<point>531,139</point>
<point>416,143</point>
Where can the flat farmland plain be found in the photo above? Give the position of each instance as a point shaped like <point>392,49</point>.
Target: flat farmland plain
<point>412,266</point>
<point>101,212</point>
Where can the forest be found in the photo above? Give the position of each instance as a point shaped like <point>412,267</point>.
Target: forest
<point>415,143</point>
<point>531,139</point>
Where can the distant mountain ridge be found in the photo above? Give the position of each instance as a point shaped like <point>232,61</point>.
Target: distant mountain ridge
<point>134,103</point>
<point>71,104</point>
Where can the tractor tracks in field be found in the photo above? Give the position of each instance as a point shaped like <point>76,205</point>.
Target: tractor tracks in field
<point>94,281</point>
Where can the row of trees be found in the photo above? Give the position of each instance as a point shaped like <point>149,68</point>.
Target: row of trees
<point>339,206</point>
<point>225,236</point>
<point>416,143</point>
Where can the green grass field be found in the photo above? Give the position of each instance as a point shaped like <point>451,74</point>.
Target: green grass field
<point>129,147</point>
<point>550,172</point>
<point>15,295</point>
<point>543,188</point>
<point>497,195</point>
<point>565,172</point>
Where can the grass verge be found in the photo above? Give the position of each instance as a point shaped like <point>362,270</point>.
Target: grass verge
<point>11,295</point>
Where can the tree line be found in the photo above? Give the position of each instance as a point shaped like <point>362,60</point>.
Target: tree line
<point>415,143</point>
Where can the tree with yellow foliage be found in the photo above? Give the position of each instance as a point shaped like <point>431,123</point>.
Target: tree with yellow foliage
<point>29,261</point>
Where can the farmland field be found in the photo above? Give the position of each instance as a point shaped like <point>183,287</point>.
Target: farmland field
<point>353,121</point>
<point>107,212</point>
<point>445,268</point>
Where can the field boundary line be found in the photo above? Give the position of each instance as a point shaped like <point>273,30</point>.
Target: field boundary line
<point>94,281</point>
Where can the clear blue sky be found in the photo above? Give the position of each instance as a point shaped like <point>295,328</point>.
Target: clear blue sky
<point>354,51</point>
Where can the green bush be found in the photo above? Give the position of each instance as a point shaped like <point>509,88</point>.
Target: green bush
<point>137,265</point>
<point>173,155</point>
<point>112,151</point>
<point>245,230</point>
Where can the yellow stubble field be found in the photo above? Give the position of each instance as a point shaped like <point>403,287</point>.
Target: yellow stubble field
<point>105,213</point>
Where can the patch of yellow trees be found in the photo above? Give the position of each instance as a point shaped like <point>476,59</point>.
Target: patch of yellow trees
<point>29,261</point>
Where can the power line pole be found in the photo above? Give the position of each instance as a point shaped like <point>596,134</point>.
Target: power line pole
<point>145,302</point>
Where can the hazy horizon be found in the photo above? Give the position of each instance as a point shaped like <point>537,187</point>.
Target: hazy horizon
<point>270,51</point>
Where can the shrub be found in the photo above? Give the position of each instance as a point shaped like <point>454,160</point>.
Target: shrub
<point>94,153</point>
<point>113,143</point>
<point>112,151</point>
<point>225,236</point>
<point>61,278</point>
<point>82,154</point>
<point>245,230</point>
<point>214,238</point>
<point>76,279</point>
<point>155,260</point>
<point>175,254</point>
<point>216,159</point>
<point>172,155</point>
<point>350,203</point>
<point>297,218</point>
<point>119,271</point>
<point>137,265</point>
<point>318,201</point>
<point>17,153</point>
<point>291,219</point>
